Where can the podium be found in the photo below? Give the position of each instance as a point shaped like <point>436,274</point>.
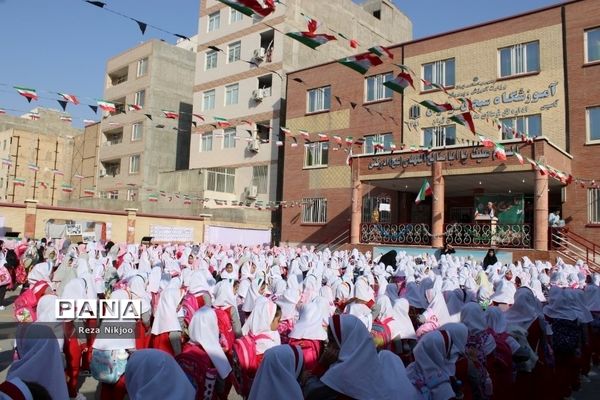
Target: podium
<point>486,219</point>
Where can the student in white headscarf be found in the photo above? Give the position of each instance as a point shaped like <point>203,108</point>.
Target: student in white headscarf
<point>154,374</point>
<point>46,314</point>
<point>309,334</point>
<point>353,368</point>
<point>166,328</point>
<point>263,321</point>
<point>288,302</point>
<point>203,355</point>
<point>39,360</point>
<point>277,377</point>
<point>225,306</point>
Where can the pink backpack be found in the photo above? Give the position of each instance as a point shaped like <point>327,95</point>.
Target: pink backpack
<point>201,374</point>
<point>5,278</point>
<point>430,325</point>
<point>26,304</point>
<point>381,333</point>
<point>311,351</point>
<point>245,363</point>
<point>226,334</point>
<point>189,306</point>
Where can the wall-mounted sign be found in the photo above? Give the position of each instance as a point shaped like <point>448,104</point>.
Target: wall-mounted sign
<point>73,230</point>
<point>460,155</point>
<point>171,233</point>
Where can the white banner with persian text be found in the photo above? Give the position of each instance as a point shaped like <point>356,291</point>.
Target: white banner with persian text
<point>171,233</point>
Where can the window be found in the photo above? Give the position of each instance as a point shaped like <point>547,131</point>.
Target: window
<point>112,195</point>
<point>314,211</point>
<point>220,179</point>
<point>592,45</point>
<point>376,90</point>
<point>132,194</point>
<point>229,138</point>
<point>593,124</point>
<point>207,141</point>
<point>531,125</point>
<point>140,98</point>
<point>234,52</point>
<point>137,131</point>
<point>211,59</point>
<point>214,21</point>
<point>414,112</point>
<point>593,202</point>
<point>134,164</point>
<point>378,143</point>
<point>319,99</point>
<point>440,73</point>
<point>235,16</point>
<point>316,154</point>
<point>142,67</point>
<point>263,131</point>
<point>208,100</point>
<point>519,59</point>
<point>383,207</point>
<point>232,94</point>
<point>260,175</point>
<point>439,136</point>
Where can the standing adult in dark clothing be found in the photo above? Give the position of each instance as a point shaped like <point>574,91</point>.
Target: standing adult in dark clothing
<point>490,258</point>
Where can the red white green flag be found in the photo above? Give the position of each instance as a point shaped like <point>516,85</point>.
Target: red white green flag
<point>381,52</point>
<point>222,122</point>
<point>134,107</point>
<point>89,192</point>
<point>18,181</point>
<point>187,201</point>
<point>304,134</point>
<point>29,94</point>
<point>311,40</point>
<point>425,191</point>
<point>349,140</point>
<point>436,107</point>
<point>499,152</point>
<point>7,162</point>
<point>66,188</point>
<point>464,119</point>
<point>153,198</point>
<point>70,98</point>
<point>519,157</point>
<point>323,137</point>
<point>285,131</point>
<point>170,114</point>
<point>337,139</point>
<point>486,142</point>
<point>57,172</point>
<point>251,7</point>
<point>362,62</point>
<point>66,118</point>
<point>401,82</point>
<point>33,167</point>
<point>540,167</point>
<point>106,106</point>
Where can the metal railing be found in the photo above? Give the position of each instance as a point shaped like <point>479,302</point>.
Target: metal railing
<point>416,234</point>
<point>574,247</point>
<point>488,235</point>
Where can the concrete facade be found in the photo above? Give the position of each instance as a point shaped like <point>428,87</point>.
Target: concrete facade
<point>256,123</point>
<point>558,92</point>
<point>84,167</point>
<point>166,80</point>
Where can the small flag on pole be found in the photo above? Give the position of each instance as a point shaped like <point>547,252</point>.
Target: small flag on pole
<point>33,167</point>
<point>500,152</point>
<point>77,176</point>
<point>19,182</point>
<point>107,106</point>
<point>425,191</point>
<point>7,162</point>
<point>153,198</point>
<point>29,94</point>
<point>89,192</point>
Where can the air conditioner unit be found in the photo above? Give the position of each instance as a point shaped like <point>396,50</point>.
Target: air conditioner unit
<point>257,94</point>
<point>254,146</point>
<point>259,54</point>
<point>251,192</point>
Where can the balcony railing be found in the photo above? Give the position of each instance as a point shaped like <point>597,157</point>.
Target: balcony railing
<point>113,142</point>
<point>417,234</point>
<point>488,235</point>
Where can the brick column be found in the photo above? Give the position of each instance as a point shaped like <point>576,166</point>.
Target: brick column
<point>540,216</point>
<point>30,218</point>
<point>437,208</point>
<point>356,217</point>
<point>131,215</point>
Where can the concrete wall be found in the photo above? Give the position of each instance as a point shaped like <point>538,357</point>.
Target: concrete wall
<point>85,161</point>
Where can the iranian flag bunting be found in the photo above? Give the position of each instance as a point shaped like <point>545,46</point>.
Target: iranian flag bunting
<point>134,107</point>
<point>67,188</point>
<point>436,107</point>
<point>106,106</point>
<point>392,146</point>
<point>381,52</point>
<point>29,94</point>
<point>88,122</point>
<point>310,39</point>
<point>222,122</point>
<point>57,172</point>
<point>323,137</point>
<point>540,167</point>
<point>424,192</point>
<point>285,131</point>
<point>33,167</point>
<point>187,201</point>
<point>170,114</point>
<point>486,142</point>
<point>70,98</point>
<point>519,157</point>
<point>500,152</point>
<point>153,198</point>
<point>349,140</point>
<point>89,192</point>
<point>464,119</point>
<point>7,162</point>
<point>361,63</point>
<point>304,134</point>
<point>77,176</point>
<point>66,118</point>
<point>399,83</point>
<point>337,139</point>
<point>251,7</point>
<point>18,181</point>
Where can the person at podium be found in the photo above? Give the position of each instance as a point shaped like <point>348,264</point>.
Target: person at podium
<point>488,212</point>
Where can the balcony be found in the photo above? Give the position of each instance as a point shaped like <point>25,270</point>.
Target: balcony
<point>489,235</point>
<point>113,137</point>
<point>117,77</point>
<point>412,234</point>
<point>111,168</point>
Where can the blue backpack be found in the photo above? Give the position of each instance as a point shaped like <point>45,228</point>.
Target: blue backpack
<point>107,366</point>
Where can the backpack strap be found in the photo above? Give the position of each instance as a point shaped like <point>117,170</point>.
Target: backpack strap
<point>387,320</point>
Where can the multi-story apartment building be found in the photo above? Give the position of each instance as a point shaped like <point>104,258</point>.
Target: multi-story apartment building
<point>137,145</point>
<point>36,151</point>
<point>241,69</point>
<point>528,77</point>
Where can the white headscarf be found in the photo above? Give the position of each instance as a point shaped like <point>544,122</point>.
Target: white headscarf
<point>505,292</point>
<point>224,296</point>
<point>407,330</point>
<point>362,312</point>
<point>525,310</point>
<point>277,377</point>
<point>165,319</point>
<point>154,374</point>
<point>205,332</point>
<point>310,324</point>
<point>39,272</point>
<point>387,312</point>
<point>259,322</point>
<point>124,341</point>
<point>46,313</point>
<point>40,360</point>
<point>137,287</point>
<point>473,316</point>
<point>357,372</point>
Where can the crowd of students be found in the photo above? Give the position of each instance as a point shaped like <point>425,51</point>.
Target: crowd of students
<point>297,323</point>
